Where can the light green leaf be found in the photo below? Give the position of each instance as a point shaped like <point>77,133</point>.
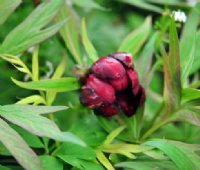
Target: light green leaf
<point>190,94</point>
<point>6,8</point>
<point>31,120</point>
<point>88,4</point>
<point>18,148</point>
<point>35,64</point>
<point>91,52</point>
<point>133,42</point>
<point>147,165</point>
<point>113,135</point>
<point>32,28</point>
<point>51,95</point>
<point>172,79</point>
<point>51,163</point>
<point>143,5</point>
<point>104,160</point>
<point>69,32</point>
<point>169,2</point>
<point>183,157</point>
<point>57,85</point>
<point>36,99</point>
<point>187,50</point>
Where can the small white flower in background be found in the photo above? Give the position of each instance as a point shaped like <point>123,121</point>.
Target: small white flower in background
<point>179,16</point>
<point>192,2</point>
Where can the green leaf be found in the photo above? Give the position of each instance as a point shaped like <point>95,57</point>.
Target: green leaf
<point>91,52</point>
<point>56,85</point>
<point>190,94</point>
<point>71,150</point>
<point>69,32</point>
<point>188,115</point>
<point>183,157</point>
<point>77,156</point>
<point>4,168</point>
<point>31,120</point>
<point>51,163</point>
<point>146,165</point>
<point>187,50</point>
<point>35,64</point>
<point>18,148</point>
<point>36,99</point>
<point>134,41</point>
<point>169,2</point>
<point>143,5</point>
<point>6,8</point>
<point>88,4</point>
<point>104,160</point>
<point>172,79</point>
<point>32,28</point>
<point>51,95</point>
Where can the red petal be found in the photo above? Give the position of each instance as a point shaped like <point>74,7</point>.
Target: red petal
<point>125,58</point>
<point>107,110</point>
<point>120,83</point>
<point>133,76</point>
<point>126,101</point>
<point>108,67</point>
<point>102,89</point>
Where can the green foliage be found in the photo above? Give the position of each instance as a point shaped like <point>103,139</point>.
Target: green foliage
<point>57,43</point>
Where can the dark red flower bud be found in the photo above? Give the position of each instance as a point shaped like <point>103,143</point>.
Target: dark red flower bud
<point>125,58</point>
<point>112,86</point>
<point>109,68</point>
<point>96,93</point>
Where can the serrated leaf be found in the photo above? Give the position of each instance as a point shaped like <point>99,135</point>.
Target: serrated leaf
<point>136,38</point>
<point>18,148</point>
<point>88,4</point>
<point>57,85</point>
<point>172,78</point>
<point>6,8</point>
<point>31,120</point>
<point>143,5</point>
<point>32,28</point>
<point>182,157</point>
<point>187,50</point>
<point>91,52</point>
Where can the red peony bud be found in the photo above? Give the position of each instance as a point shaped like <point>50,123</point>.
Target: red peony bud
<point>112,85</point>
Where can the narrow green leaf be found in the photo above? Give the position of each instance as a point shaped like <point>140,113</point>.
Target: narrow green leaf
<point>88,4</point>
<point>169,2</point>
<point>187,50</point>
<point>91,52</point>
<point>147,165</point>
<point>6,8</point>
<point>189,116</point>
<point>18,148</point>
<point>172,79</point>
<point>104,160</point>
<point>113,135</point>
<point>143,5</point>
<point>51,163</point>
<point>182,157</point>
<point>69,32</point>
<point>36,99</point>
<point>32,28</point>
<point>51,95</point>
<point>36,124</point>
<point>190,94</point>
<point>133,42</point>
<point>35,64</point>
<point>57,85</point>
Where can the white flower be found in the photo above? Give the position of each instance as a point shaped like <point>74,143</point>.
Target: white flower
<point>179,16</point>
